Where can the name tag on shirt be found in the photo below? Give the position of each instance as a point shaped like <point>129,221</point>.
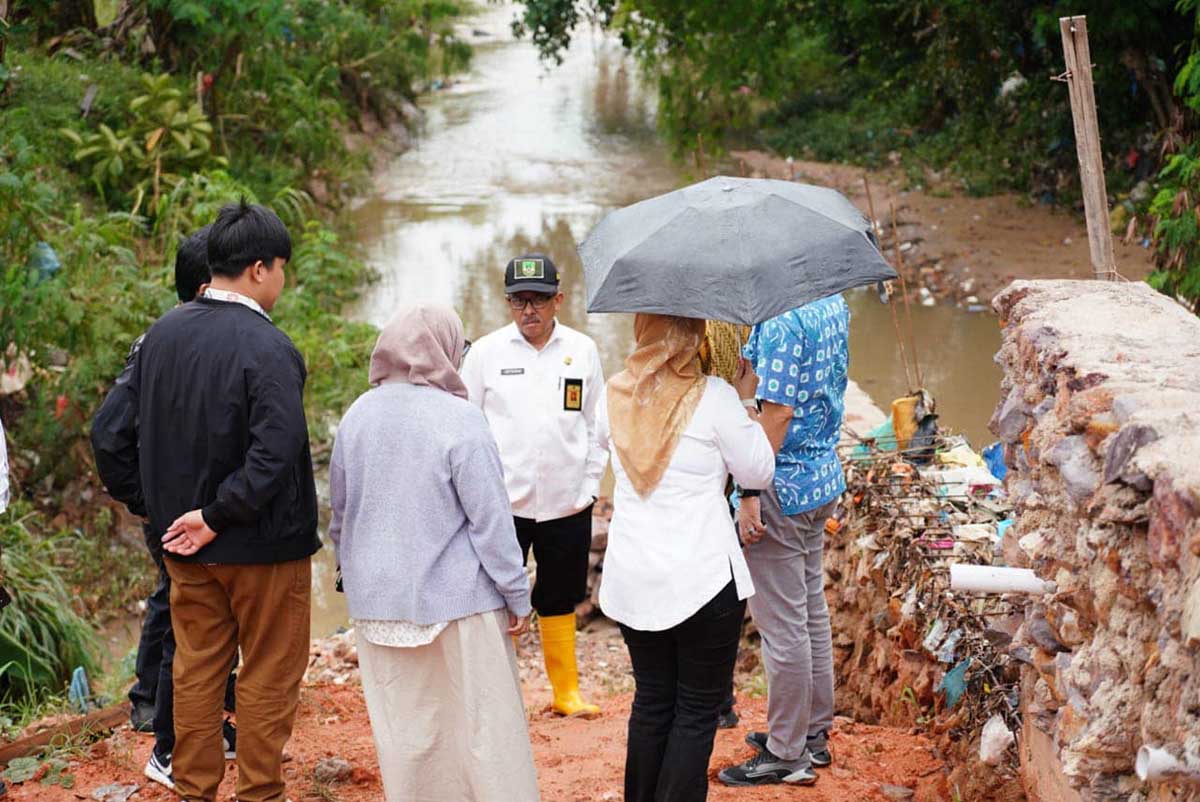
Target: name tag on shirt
<point>573,395</point>
<point>512,372</point>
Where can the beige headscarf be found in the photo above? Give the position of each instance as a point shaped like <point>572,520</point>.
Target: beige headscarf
<point>652,401</point>
<point>421,344</point>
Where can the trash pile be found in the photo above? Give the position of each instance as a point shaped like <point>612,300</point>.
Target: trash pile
<point>908,650</point>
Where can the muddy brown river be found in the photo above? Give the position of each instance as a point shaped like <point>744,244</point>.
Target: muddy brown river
<point>516,157</point>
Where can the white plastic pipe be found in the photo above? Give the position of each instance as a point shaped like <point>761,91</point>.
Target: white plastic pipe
<point>997,579</point>
<point>1155,764</point>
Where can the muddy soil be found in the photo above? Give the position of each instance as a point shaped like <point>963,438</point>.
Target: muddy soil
<point>961,247</point>
<point>577,761</point>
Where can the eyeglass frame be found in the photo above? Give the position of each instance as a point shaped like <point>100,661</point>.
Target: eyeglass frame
<point>539,302</point>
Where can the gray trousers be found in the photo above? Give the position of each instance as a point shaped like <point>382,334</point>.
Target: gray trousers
<point>789,610</point>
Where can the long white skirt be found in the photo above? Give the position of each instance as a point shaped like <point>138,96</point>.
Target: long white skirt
<point>448,720</point>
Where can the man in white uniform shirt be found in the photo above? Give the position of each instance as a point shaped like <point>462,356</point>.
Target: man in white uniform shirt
<point>537,382</point>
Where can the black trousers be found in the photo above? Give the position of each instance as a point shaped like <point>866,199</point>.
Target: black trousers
<point>154,626</point>
<point>561,548</point>
<point>156,657</point>
<point>683,677</point>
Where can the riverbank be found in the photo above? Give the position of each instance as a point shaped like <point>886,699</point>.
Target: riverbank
<point>963,250</point>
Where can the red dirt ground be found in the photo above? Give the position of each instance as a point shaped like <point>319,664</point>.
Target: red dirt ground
<point>578,761</point>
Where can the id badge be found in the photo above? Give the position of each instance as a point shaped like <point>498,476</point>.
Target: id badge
<point>573,395</point>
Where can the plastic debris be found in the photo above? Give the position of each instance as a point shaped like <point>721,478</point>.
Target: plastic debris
<point>80,693</point>
<point>961,456</point>
<point>945,653</point>
<point>934,638</point>
<point>995,740</point>
<point>954,684</point>
<point>15,371</point>
<point>45,261</point>
<point>993,457</point>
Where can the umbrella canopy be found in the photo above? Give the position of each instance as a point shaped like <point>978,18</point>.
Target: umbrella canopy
<point>737,249</point>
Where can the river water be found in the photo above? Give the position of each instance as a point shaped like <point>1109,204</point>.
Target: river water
<point>516,157</point>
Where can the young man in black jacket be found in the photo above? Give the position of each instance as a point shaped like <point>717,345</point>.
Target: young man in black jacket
<point>115,443</point>
<point>227,475</point>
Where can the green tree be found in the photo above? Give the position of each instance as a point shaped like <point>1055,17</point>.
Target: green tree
<point>919,66</point>
<point>1175,209</point>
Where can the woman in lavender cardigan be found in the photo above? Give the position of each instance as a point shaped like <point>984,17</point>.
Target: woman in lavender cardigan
<point>432,572</point>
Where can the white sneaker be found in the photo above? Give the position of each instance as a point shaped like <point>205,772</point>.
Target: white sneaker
<point>159,770</point>
<point>229,740</point>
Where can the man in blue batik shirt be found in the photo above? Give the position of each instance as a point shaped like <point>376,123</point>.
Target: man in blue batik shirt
<point>801,358</point>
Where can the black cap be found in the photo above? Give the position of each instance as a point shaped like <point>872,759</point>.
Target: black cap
<point>531,273</point>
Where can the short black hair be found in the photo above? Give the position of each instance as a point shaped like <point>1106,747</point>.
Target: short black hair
<point>245,233</point>
<point>191,265</point>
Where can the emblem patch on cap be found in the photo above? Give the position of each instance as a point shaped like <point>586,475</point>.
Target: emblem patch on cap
<point>530,269</point>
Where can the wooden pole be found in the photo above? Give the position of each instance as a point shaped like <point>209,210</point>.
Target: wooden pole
<point>891,302</point>
<point>1078,58</point>
<point>3,28</point>
<point>900,271</point>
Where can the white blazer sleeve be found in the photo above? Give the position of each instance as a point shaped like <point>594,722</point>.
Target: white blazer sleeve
<point>743,443</point>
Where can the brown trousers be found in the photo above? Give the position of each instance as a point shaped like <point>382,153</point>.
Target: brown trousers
<point>264,609</point>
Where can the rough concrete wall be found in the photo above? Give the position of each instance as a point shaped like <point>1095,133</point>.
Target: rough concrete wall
<point>1101,423</point>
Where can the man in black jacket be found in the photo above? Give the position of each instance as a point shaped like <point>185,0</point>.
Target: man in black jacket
<point>227,475</point>
<point>114,443</point>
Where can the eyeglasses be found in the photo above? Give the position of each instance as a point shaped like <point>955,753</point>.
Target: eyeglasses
<point>466,348</point>
<point>536,301</point>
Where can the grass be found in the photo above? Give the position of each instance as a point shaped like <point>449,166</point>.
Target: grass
<point>321,790</point>
<point>42,637</point>
<point>21,711</point>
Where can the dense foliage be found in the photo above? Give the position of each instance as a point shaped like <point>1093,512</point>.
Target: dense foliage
<point>1175,209</point>
<point>956,86</point>
<point>124,126</point>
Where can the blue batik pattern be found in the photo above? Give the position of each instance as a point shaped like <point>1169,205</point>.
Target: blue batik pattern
<point>801,358</point>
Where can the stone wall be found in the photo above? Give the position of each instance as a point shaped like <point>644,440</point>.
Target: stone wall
<point>1101,421</point>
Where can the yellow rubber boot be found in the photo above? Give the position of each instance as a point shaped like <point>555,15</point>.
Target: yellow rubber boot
<point>558,647</point>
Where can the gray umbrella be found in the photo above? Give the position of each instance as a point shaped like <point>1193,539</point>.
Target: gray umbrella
<point>737,249</point>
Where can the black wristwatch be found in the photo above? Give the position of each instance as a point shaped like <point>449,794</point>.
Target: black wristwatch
<point>746,493</point>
